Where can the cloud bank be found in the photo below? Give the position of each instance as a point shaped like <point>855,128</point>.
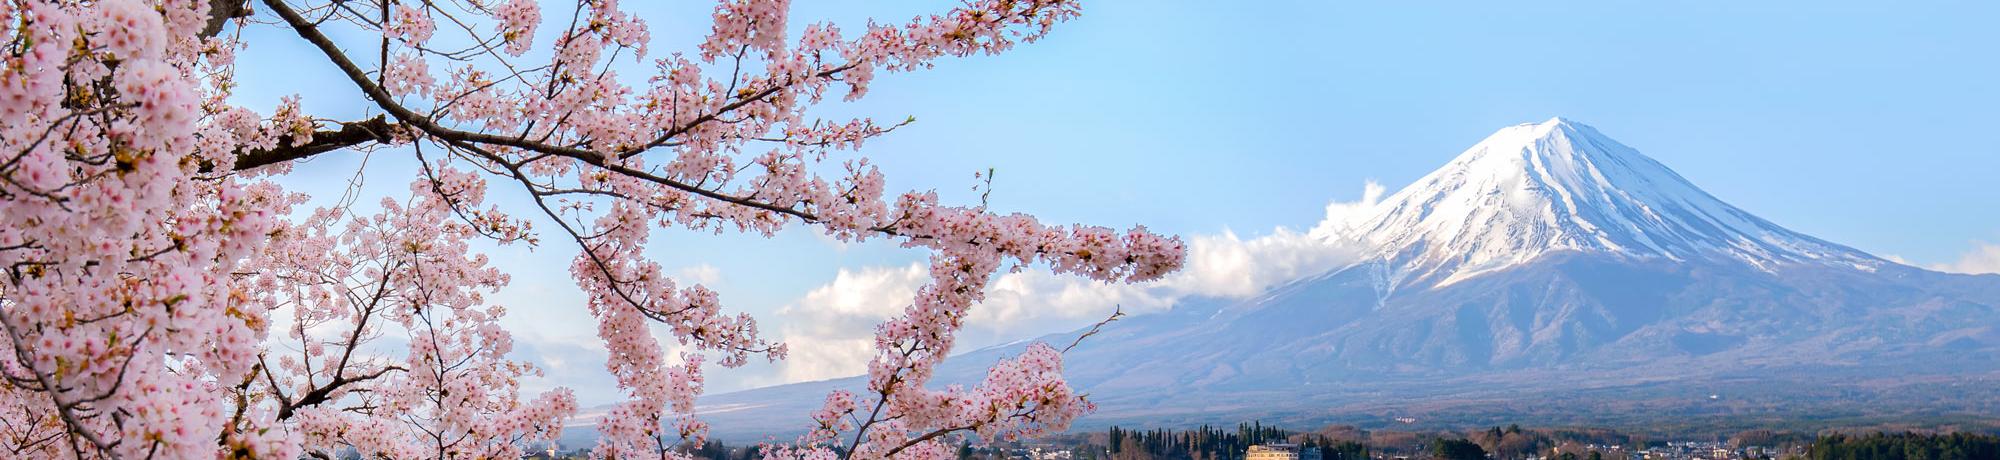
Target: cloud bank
<point>1983,258</point>
<point>831,328</point>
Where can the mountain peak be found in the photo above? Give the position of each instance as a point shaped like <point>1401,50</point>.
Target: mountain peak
<point>1550,127</point>
<point>1556,122</point>
<point>1516,147</point>
<point>1537,188</point>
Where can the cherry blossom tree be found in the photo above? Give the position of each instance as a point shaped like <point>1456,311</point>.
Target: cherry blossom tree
<point>149,255</point>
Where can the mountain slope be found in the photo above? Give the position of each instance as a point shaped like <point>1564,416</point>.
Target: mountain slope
<point>1546,267</point>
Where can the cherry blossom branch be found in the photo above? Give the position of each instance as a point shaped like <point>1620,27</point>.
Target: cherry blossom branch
<point>1117,311</point>
<point>383,99</point>
<point>220,12</point>
<point>351,134</point>
<point>64,408</point>
<point>147,205</point>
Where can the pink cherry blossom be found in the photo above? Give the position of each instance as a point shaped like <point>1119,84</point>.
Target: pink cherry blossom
<point>412,24</point>
<point>518,19</point>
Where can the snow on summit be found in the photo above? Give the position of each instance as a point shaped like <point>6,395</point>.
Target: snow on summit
<point>1537,188</point>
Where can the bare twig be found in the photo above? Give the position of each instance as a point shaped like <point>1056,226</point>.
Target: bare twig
<point>1117,312</point>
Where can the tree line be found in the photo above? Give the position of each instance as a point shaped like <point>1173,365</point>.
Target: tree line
<point>1905,446</point>
<point>1214,443</point>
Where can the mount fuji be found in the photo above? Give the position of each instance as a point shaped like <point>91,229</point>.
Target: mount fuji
<point>1532,190</point>
<point>1546,274</point>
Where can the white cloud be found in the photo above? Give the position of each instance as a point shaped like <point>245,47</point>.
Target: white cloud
<point>1227,266</point>
<point>703,274</point>
<point>1983,258</point>
<point>1037,296</point>
<point>831,328</point>
<point>1340,214</point>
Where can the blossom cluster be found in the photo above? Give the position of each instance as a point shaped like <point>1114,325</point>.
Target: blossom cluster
<point>406,271</point>
<point>517,20</point>
<point>124,320</point>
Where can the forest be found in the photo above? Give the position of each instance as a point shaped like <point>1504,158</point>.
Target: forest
<point>1905,446</point>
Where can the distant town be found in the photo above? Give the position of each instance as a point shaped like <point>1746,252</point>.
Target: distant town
<point>1255,441</point>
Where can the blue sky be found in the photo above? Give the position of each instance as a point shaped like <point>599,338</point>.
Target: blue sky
<point>1863,123</point>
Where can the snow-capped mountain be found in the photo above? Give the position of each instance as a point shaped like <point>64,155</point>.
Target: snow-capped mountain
<point>1530,190</point>
<point>1546,270</point>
